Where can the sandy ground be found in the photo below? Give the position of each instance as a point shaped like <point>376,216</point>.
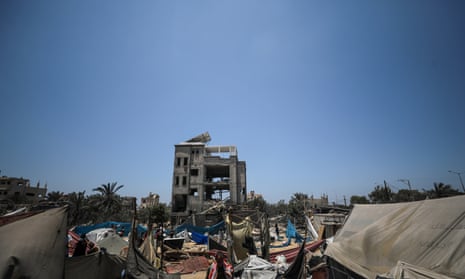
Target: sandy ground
<point>196,275</point>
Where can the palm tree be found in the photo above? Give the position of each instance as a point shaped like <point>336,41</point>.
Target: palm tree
<point>297,207</point>
<point>55,195</point>
<point>78,207</point>
<point>441,190</point>
<point>381,194</point>
<point>109,201</point>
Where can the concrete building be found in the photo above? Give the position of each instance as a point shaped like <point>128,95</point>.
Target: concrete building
<point>204,175</point>
<point>150,201</point>
<point>317,203</point>
<point>19,189</point>
<point>252,195</point>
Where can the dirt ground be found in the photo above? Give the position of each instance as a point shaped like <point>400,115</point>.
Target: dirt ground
<point>196,275</point>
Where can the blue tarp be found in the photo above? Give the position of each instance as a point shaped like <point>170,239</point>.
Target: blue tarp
<point>126,227</point>
<point>199,238</point>
<point>291,232</point>
<point>201,230</point>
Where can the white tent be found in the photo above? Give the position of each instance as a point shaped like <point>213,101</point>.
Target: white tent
<point>98,235</point>
<point>415,237</point>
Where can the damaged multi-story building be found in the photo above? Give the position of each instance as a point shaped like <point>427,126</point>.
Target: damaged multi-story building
<point>19,190</point>
<point>205,175</point>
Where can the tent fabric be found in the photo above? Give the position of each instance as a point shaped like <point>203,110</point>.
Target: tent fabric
<point>215,245</point>
<point>99,234</point>
<point>238,232</point>
<point>258,268</point>
<point>405,270</point>
<point>138,266</point>
<point>95,266</point>
<point>291,232</point>
<point>113,244</point>
<point>297,268</point>
<point>428,234</point>
<point>34,247</point>
<point>118,225</point>
<point>10,218</point>
<point>148,250</point>
<point>310,227</point>
<point>199,238</point>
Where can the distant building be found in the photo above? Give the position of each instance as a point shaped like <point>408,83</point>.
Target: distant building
<point>317,203</point>
<point>252,195</point>
<point>19,189</point>
<point>204,175</point>
<point>150,201</point>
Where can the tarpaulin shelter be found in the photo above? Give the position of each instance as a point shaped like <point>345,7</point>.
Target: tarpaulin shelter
<point>422,237</point>
<point>291,232</point>
<point>199,238</point>
<point>255,267</point>
<point>99,234</point>
<point>239,232</point>
<point>147,249</point>
<point>113,244</point>
<point>297,269</point>
<point>310,228</point>
<point>137,264</point>
<point>34,247</point>
<point>95,266</point>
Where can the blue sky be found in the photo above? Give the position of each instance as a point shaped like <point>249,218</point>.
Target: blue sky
<point>320,97</point>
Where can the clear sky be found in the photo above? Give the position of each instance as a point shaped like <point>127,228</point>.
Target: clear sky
<point>320,97</point>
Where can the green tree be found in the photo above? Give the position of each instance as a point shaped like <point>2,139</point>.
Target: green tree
<point>279,208</point>
<point>258,203</point>
<point>358,200</point>
<point>441,190</point>
<point>381,194</point>
<point>55,196</point>
<point>108,200</point>
<point>79,208</point>
<point>403,195</point>
<point>297,207</point>
<point>154,215</point>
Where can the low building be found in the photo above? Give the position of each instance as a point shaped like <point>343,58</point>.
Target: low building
<point>20,190</point>
<point>318,203</point>
<point>252,196</point>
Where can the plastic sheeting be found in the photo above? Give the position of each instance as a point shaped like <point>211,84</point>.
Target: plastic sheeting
<point>126,227</point>
<point>297,268</point>
<point>199,238</point>
<point>137,265</point>
<point>291,232</point>
<point>239,231</point>
<point>148,250</point>
<point>310,227</point>
<point>405,270</point>
<point>201,230</point>
<point>427,234</point>
<point>99,234</point>
<point>258,268</point>
<point>113,244</point>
